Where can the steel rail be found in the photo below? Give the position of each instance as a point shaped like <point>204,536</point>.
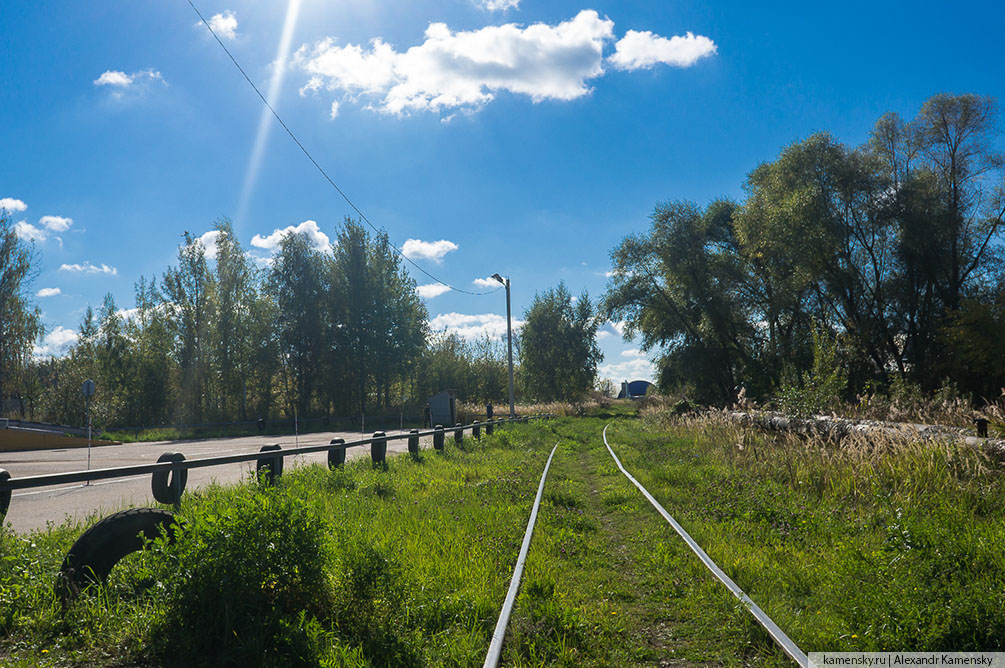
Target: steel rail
<point>51,479</point>
<point>776,633</point>
<point>495,647</point>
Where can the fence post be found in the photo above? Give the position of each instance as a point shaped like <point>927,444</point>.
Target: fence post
<point>476,430</point>
<point>438,437</point>
<point>413,443</point>
<point>489,427</point>
<point>458,433</point>
<point>378,448</point>
<point>5,494</point>
<point>336,456</point>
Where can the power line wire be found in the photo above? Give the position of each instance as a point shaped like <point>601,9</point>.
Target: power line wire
<point>318,166</point>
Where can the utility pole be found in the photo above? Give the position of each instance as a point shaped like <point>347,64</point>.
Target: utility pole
<point>509,340</point>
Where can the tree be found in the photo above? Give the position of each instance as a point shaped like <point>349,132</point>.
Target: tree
<point>20,324</point>
<point>559,352</point>
<point>296,283</point>
<point>686,288</point>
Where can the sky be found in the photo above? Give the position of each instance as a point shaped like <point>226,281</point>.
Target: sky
<point>519,137</point>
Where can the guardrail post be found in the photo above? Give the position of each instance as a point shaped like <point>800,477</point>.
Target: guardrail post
<point>378,448</point>
<point>476,430</point>
<point>168,491</point>
<point>489,426</point>
<point>982,427</point>
<point>438,435</point>
<point>458,433</point>
<point>272,465</point>
<point>413,443</point>
<point>4,494</point>
<point>336,455</point>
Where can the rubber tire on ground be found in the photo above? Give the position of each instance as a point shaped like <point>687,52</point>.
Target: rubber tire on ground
<point>272,463</point>
<point>98,549</point>
<point>4,495</point>
<point>163,488</point>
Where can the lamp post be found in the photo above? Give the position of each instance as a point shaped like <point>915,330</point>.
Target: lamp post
<point>509,341</point>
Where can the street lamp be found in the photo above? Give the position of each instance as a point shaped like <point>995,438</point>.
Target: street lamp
<point>509,340</point>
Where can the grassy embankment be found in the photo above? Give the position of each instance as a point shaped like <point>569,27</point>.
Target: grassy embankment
<point>846,549</point>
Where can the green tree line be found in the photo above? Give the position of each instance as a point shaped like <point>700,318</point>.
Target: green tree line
<point>220,339</point>
<point>891,250</point>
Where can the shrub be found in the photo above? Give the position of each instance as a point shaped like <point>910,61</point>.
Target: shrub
<point>248,577</point>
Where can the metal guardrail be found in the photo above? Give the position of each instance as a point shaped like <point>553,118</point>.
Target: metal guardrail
<point>176,468</point>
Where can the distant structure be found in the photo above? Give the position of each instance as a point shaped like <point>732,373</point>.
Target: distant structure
<point>443,409</point>
<point>636,388</point>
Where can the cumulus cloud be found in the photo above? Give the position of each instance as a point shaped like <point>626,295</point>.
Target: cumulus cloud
<point>416,249</point>
<point>56,343</point>
<point>618,326</point>
<point>11,204</point>
<point>487,283</point>
<point>603,334</point>
<point>128,314</point>
<point>309,228</point>
<point>638,368</point>
<point>431,290</point>
<point>122,86</point>
<point>464,70</point>
<point>208,242</point>
<point>114,78</point>
<point>453,71</point>
<point>88,268</point>
<point>25,231</point>
<point>55,223</point>
<point>472,327</point>
<point>48,292</point>
<point>639,50</point>
<point>498,5</point>
<point>224,25</point>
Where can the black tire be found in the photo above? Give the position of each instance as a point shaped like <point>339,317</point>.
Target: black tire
<point>167,486</point>
<point>272,464</point>
<point>4,494</point>
<point>98,549</point>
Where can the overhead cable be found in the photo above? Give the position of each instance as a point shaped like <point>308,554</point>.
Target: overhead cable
<point>318,166</point>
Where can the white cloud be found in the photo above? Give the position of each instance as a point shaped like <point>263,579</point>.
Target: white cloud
<point>28,232</point>
<point>487,283</point>
<point>431,290</point>
<point>603,334</point>
<point>638,368</point>
<point>428,250</point>
<point>56,342</point>
<point>464,70</point>
<point>11,204</point>
<point>55,223</point>
<point>88,268</point>
<point>472,327</point>
<point>208,242</point>
<point>48,292</point>
<point>128,314</point>
<point>310,228</point>
<point>498,5</point>
<point>638,50</point>
<point>224,25</point>
<point>633,352</point>
<point>122,86</point>
<point>114,78</point>
<point>334,112</point>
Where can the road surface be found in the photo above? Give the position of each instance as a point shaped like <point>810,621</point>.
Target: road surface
<point>34,508</point>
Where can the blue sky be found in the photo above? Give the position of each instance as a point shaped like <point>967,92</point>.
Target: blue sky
<point>513,136</point>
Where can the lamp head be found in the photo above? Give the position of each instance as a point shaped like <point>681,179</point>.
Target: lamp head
<point>498,278</point>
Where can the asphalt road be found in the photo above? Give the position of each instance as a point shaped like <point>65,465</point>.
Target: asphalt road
<point>34,508</point>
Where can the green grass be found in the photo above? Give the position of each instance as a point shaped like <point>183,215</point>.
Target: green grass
<point>853,549</point>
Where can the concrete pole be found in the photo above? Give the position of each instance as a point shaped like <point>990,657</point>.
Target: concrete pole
<point>509,338</point>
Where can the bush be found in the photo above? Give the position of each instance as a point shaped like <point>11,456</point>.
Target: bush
<point>248,581</point>
<point>820,389</point>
